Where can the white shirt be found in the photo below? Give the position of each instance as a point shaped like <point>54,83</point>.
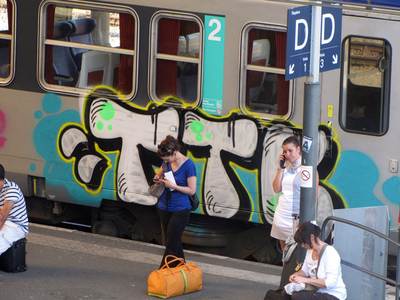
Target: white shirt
<point>329,269</point>
<point>289,200</point>
<point>18,215</point>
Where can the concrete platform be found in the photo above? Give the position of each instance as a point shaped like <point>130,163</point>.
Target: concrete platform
<point>68,264</point>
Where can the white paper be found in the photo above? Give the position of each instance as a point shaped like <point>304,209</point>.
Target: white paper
<point>306,174</point>
<point>170,176</point>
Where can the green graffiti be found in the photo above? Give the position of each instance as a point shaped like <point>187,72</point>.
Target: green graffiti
<point>108,111</point>
<point>110,127</point>
<point>197,127</point>
<point>100,125</point>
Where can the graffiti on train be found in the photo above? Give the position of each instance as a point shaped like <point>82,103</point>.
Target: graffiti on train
<point>51,116</point>
<point>235,155</point>
<point>358,180</point>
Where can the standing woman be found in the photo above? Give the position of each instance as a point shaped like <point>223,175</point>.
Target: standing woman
<point>174,204</point>
<point>287,182</point>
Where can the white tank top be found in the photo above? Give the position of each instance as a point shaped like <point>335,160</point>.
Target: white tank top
<point>289,201</point>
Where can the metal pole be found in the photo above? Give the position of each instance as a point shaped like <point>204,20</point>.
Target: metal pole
<point>311,121</point>
<point>397,274</point>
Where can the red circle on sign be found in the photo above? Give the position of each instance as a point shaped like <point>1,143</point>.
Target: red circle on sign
<point>305,175</point>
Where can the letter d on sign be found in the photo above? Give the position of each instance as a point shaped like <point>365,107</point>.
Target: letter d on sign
<point>302,22</point>
<point>329,16</point>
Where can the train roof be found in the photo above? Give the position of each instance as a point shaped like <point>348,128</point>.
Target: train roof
<point>389,3</point>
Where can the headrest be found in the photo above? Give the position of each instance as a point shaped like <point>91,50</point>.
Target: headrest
<point>82,26</point>
<point>62,29</point>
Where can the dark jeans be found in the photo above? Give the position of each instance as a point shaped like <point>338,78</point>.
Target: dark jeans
<point>172,226</point>
<point>310,295</point>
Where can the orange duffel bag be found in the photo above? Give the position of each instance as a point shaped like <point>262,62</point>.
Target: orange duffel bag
<point>168,282</point>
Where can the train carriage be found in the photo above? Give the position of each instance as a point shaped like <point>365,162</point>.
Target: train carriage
<point>89,88</point>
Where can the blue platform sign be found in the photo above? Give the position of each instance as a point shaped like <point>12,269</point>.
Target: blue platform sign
<point>331,37</point>
<point>298,43</point>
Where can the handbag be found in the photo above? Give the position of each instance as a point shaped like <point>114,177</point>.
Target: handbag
<point>194,201</point>
<point>168,282</point>
<point>156,189</point>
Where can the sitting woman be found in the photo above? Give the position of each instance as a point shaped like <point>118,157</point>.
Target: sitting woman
<point>321,268</point>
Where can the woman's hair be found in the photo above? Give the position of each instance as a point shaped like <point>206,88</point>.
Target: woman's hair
<point>168,146</point>
<point>291,140</point>
<point>304,232</point>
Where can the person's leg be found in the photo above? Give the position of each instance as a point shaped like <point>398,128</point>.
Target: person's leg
<point>176,226</point>
<point>311,295</point>
<point>324,296</point>
<point>302,295</point>
<point>4,244</point>
<point>282,244</point>
<point>164,220</point>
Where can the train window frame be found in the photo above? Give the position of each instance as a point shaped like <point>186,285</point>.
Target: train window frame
<point>244,67</point>
<point>4,81</point>
<point>385,89</point>
<point>43,41</point>
<point>154,56</point>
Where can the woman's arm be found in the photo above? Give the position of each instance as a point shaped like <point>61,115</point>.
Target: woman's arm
<point>318,282</point>
<point>189,190</point>
<point>294,276</point>
<point>5,211</point>
<point>277,182</point>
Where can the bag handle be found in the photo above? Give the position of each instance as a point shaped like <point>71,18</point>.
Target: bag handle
<point>319,259</point>
<point>174,259</point>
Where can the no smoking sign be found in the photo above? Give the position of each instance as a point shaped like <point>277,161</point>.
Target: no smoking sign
<point>306,176</point>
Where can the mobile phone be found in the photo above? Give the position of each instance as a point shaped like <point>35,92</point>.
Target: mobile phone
<point>282,163</point>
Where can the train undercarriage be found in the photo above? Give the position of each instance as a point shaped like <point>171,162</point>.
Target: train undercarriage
<point>141,223</point>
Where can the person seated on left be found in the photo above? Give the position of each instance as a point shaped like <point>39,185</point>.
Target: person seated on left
<point>13,215</point>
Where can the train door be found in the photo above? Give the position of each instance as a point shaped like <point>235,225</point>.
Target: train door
<point>360,101</point>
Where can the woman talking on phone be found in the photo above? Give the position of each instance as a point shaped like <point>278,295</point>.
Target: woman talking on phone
<point>287,182</point>
<point>178,174</point>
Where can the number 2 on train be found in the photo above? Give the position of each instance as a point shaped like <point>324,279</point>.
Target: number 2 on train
<point>213,34</point>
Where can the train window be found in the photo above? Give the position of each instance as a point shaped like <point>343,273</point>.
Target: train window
<point>176,52</point>
<point>6,41</point>
<point>365,85</point>
<point>263,86</point>
<point>86,47</point>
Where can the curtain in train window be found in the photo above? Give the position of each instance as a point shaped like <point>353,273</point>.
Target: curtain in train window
<point>266,89</point>
<point>6,32</point>
<point>365,82</point>
<point>86,48</point>
<point>177,59</point>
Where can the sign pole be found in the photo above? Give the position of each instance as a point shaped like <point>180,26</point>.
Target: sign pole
<point>311,121</point>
